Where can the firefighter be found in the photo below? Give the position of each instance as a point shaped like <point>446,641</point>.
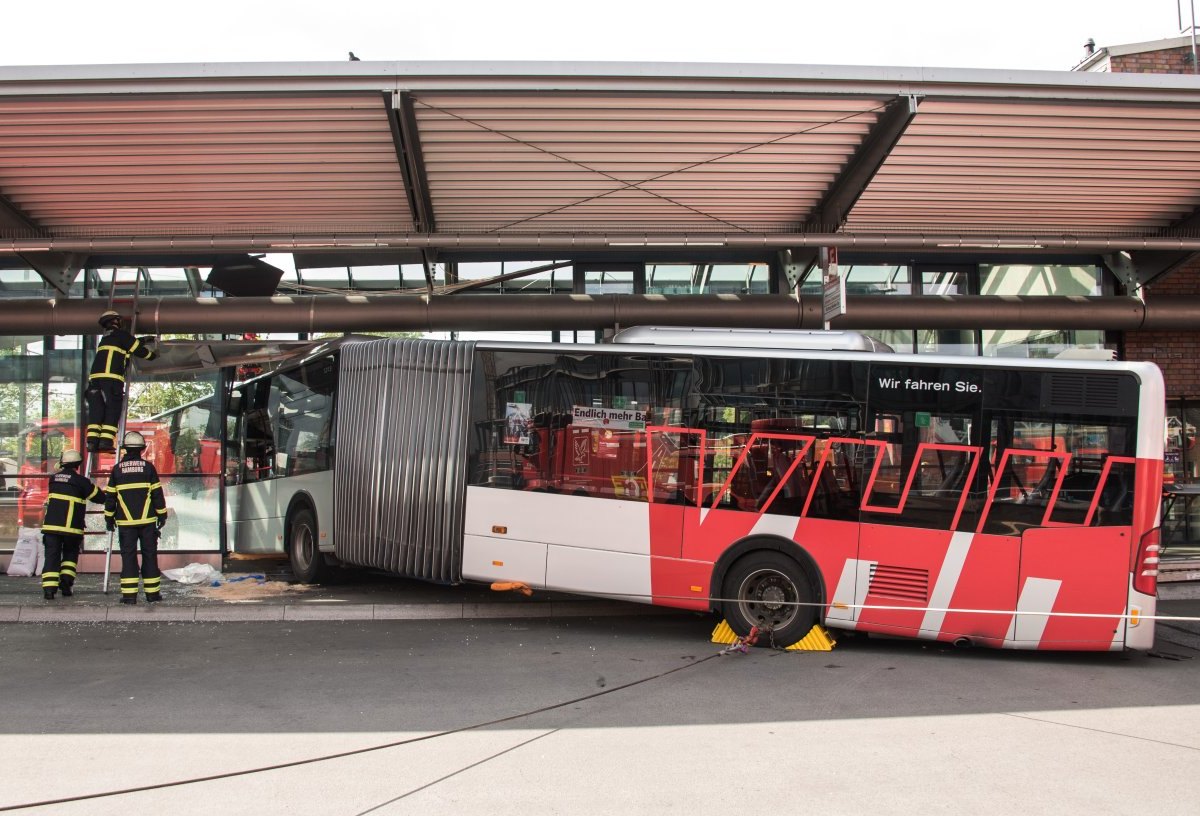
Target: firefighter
<point>106,382</point>
<point>62,526</point>
<point>134,506</point>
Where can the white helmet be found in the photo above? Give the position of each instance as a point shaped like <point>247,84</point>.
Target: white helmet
<point>108,318</point>
<point>133,439</point>
<point>70,457</point>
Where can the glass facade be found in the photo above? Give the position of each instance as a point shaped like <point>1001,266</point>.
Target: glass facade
<point>970,279</point>
<point>1073,281</point>
<point>42,414</point>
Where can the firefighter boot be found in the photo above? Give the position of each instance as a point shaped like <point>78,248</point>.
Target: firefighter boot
<point>65,586</point>
<point>153,597</point>
<point>128,599</point>
<point>48,594</point>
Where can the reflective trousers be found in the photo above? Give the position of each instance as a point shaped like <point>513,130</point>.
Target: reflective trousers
<point>62,555</point>
<point>104,397</point>
<point>130,538</point>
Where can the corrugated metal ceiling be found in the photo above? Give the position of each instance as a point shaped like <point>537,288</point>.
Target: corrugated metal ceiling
<point>200,164</point>
<point>552,162</point>
<point>318,150</point>
<point>1038,166</point>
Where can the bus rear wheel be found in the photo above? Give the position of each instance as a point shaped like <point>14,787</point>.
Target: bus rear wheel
<point>303,550</point>
<point>769,590</point>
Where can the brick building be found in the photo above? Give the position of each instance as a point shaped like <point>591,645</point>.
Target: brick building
<point>1169,56</point>
<point>1174,352</point>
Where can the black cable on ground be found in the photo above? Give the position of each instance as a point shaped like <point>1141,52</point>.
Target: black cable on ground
<point>84,797</point>
<point>452,774</point>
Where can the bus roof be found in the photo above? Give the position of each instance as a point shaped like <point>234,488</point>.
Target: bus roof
<point>750,338</point>
<point>1141,369</point>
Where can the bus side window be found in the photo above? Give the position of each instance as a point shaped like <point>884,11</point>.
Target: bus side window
<point>1067,455</point>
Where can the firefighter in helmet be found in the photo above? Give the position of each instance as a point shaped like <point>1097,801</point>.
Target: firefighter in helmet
<point>106,382</point>
<point>134,506</point>
<point>62,527</point>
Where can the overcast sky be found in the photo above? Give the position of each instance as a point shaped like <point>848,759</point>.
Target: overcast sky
<point>1041,34</point>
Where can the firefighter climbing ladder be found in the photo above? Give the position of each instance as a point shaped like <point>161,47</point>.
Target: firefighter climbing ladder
<point>135,285</point>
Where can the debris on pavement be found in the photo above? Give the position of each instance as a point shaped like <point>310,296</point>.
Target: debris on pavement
<point>246,587</point>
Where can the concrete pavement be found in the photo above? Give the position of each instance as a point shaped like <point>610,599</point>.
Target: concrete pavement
<point>579,716</point>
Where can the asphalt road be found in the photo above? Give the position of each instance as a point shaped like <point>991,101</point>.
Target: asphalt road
<point>610,715</point>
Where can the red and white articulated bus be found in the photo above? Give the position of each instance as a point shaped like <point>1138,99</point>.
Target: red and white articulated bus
<point>999,502</point>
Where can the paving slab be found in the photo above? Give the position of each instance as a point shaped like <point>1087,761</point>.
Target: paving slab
<point>152,614</point>
<point>52,614</point>
<point>239,612</point>
<point>418,611</point>
<point>329,612</point>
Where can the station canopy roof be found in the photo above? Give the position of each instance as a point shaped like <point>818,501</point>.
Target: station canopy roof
<point>516,157</point>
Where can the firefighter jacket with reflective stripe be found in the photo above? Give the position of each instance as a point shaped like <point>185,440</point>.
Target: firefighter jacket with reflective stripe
<point>134,495</point>
<point>113,353</point>
<point>65,505</point>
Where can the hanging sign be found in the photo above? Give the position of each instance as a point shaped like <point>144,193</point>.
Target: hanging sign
<point>833,286</point>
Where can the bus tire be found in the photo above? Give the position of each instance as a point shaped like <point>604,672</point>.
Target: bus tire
<point>765,588</point>
<point>303,548</point>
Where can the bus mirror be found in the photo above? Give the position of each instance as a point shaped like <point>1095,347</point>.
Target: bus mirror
<point>235,402</point>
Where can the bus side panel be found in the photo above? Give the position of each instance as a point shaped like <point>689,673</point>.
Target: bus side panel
<point>1080,570</point>
<point>256,527</point>
<point>572,521</point>
<point>490,558</point>
<point>558,541</point>
<point>317,488</point>
<point>981,575</point>
<point>897,593</point>
<point>605,573</point>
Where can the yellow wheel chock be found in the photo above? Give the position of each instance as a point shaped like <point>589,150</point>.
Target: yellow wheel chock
<point>818,639</point>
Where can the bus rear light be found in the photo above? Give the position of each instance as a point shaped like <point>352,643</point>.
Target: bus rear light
<point>1135,615</point>
<point>1145,563</point>
<point>499,530</point>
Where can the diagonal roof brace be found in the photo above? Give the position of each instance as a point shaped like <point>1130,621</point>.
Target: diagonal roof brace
<point>59,269</point>
<point>1150,265</point>
<point>795,266</point>
<point>831,212</point>
<point>1121,265</point>
<point>407,140</point>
